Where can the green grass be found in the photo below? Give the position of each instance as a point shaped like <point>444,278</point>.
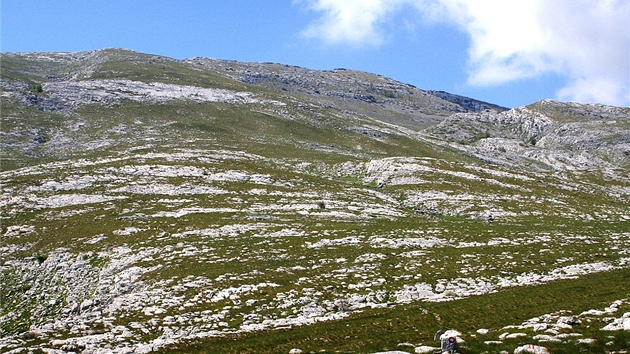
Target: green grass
<point>378,330</point>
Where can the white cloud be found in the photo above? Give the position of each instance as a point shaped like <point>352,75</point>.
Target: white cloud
<point>587,42</point>
<point>350,21</point>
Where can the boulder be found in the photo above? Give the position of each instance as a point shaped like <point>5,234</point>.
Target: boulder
<point>423,349</point>
<point>531,348</point>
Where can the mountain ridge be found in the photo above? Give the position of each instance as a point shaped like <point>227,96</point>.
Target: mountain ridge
<point>367,95</point>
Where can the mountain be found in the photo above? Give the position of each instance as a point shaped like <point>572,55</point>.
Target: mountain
<point>546,135</point>
<point>203,205</point>
<point>373,95</point>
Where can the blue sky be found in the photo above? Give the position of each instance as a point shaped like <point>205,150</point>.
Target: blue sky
<point>510,55</point>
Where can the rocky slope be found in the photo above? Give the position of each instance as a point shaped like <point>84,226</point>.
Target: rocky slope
<point>374,95</point>
<point>149,202</point>
<point>547,135</point>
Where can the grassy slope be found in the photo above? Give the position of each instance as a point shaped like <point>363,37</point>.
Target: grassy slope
<point>249,128</point>
<point>318,136</point>
<point>378,330</point>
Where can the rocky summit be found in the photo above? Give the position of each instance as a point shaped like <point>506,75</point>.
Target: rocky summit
<point>150,204</point>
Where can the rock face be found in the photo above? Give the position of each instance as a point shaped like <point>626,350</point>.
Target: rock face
<point>547,135</point>
<point>70,95</point>
<point>468,103</point>
<point>374,95</point>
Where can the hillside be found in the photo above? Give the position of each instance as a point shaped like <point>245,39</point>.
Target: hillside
<point>546,135</point>
<point>202,205</point>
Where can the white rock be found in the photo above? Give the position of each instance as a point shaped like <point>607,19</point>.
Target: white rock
<point>425,349</point>
<point>452,333</point>
<point>619,324</point>
<point>547,338</point>
<point>531,348</point>
<point>540,327</point>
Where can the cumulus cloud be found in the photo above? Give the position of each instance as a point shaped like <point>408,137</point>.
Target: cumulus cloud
<point>587,42</point>
<point>350,21</point>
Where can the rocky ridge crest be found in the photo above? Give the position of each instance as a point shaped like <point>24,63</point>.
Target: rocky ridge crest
<point>547,135</point>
